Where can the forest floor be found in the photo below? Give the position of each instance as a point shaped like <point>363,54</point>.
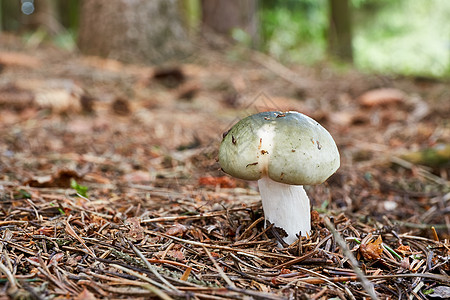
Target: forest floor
<point>110,186</point>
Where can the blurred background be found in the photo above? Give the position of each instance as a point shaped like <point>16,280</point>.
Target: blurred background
<point>395,37</point>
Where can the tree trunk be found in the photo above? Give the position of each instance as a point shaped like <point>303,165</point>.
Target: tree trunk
<point>69,11</point>
<point>132,31</point>
<point>30,16</point>
<point>10,15</point>
<point>340,30</point>
<point>222,16</point>
<point>44,17</point>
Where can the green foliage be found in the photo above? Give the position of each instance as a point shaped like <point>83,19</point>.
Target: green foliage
<point>407,37</point>
<point>80,189</point>
<point>428,292</point>
<point>242,37</point>
<point>23,194</point>
<point>389,36</point>
<point>295,30</point>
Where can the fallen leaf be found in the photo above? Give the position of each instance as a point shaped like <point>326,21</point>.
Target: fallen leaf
<point>169,77</point>
<point>382,96</point>
<point>59,95</point>
<point>85,295</point>
<point>372,250</point>
<point>121,106</point>
<point>176,230</point>
<point>404,250</point>
<point>56,259</point>
<point>19,59</point>
<point>60,179</point>
<point>188,91</point>
<point>177,254</point>
<point>223,182</point>
<point>47,231</point>
<point>441,291</point>
<point>136,231</point>
<point>137,177</point>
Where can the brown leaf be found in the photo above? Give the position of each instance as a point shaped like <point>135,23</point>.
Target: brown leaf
<point>56,259</point>
<point>47,231</point>
<point>384,96</point>
<point>137,177</point>
<point>59,95</point>
<point>176,230</point>
<point>85,295</point>
<point>59,179</point>
<point>19,59</point>
<point>136,232</point>
<point>169,77</point>
<point>372,250</point>
<point>121,106</point>
<point>177,254</point>
<point>188,91</point>
<point>404,250</point>
<point>224,181</point>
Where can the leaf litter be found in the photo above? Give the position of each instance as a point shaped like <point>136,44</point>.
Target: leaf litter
<point>120,196</point>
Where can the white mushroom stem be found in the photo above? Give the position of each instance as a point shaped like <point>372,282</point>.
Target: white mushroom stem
<point>286,206</point>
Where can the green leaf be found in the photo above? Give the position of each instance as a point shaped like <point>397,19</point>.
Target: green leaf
<point>427,292</point>
<point>81,189</point>
<point>23,194</point>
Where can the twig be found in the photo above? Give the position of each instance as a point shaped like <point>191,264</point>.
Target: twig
<point>136,274</point>
<point>247,230</point>
<point>254,294</point>
<point>151,268</point>
<point>255,278</point>
<point>420,170</point>
<point>253,252</point>
<point>423,226</point>
<point>368,286</point>
<point>12,281</point>
<point>219,269</point>
<point>322,278</point>
<point>315,280</point>
<point>296,260</point>
<point>193,217</point>
<point>72,232</point>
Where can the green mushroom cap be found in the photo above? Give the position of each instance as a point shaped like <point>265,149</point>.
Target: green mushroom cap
<point>288,147</point>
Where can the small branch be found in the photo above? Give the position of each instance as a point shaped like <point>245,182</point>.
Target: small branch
<point>367,285</point>
<point>12,281</point>
<point>296,260</point>
<point>254,294</point>
<point>219,269</point>
<point>146,279</point>
<point>151,268</point>
<point>195,243</point>
<point>193,217</point>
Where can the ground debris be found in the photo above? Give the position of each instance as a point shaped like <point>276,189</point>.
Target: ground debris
<point>125,199</point>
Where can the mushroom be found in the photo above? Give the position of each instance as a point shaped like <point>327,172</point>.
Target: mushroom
<point>283,151</point>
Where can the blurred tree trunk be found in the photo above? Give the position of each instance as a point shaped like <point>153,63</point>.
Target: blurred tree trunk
<point>45,16</point>
<point>340,30</point>
<point>132,31</point>
<point>10,15</point>
<point>222,16</point>
<point>69,10</point>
